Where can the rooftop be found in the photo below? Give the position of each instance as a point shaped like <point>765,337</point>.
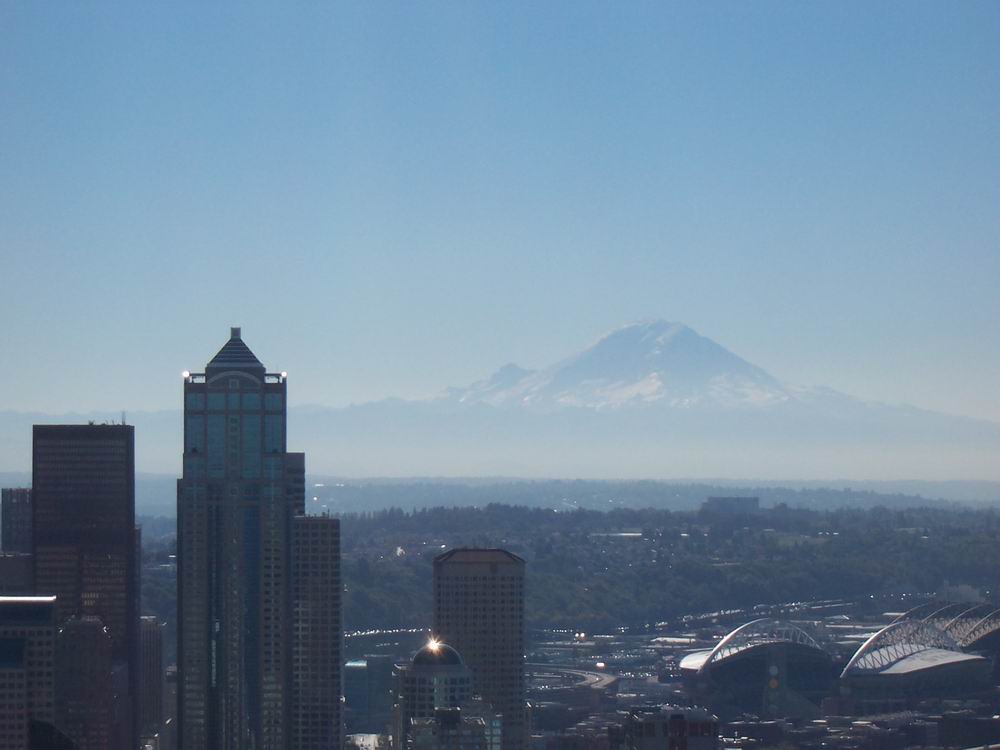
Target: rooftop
<point>235,355</point>
<point>437,654</point>
<point>478,555</point>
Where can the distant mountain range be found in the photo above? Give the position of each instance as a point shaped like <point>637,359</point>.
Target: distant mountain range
<point>649,400</point>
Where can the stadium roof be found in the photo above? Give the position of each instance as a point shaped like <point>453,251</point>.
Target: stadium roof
<point>754,634</point>
<point>903,647</point>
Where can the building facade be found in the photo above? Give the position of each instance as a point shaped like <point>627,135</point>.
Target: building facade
<point>27,650</point>
<point>435,678</point>
<point>86,701</point>
<point>479,609</point>
<point>316,646</point>
<point>236,501</point>
<point>15,519</point>
<point>84,541</point>
<point>151,668</point>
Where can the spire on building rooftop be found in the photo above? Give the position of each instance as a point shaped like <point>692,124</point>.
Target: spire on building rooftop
<point>235,355</point>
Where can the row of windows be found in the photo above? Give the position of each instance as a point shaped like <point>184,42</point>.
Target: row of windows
<point>233,402</point>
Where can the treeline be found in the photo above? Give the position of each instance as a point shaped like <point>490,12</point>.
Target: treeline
<point>666,564</point>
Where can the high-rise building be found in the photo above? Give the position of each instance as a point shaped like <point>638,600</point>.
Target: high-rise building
<point>448,729</point>
<point>14,719</point>
<point>479,609</point>
<point>316,645</point>
<point>84,543</point>
<point>27,675</point>
<point>17,574</point>
<point>236,501</point>
<point>85,684</point>
<point>15,519</point>
<point>435,678</point>
<point>151,670</point>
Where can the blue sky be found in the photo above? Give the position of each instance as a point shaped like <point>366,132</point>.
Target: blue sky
<point>395,197</point>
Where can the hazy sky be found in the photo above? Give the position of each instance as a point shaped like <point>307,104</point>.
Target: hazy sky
<point>395,197</point>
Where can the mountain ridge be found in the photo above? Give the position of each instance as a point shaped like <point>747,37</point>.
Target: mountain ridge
<point>649,400</point>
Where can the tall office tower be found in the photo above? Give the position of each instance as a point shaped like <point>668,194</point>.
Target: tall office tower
<point>27,686</point>
<point>235,503</point>
<point>15,519</point>
<point>85,683</point>
<point>151,670</point>
<point>14,719</point>
<point>479,609</point>
<point>83,497</point>
<point>316,645</point>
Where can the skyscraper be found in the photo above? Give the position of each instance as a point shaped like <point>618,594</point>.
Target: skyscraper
<point>85,684</point>
<point>316,646</point>
<point>151,666</point>
<point>84,539</point>
<point>479,609</point>
<point>27,675</point>
<point>435,678</point>
<point>15,518</point>
<point>235,503</point>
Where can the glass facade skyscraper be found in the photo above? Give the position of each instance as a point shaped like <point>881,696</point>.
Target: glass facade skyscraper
<point>236,501</point>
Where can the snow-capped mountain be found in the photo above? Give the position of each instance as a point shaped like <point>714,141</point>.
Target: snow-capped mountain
<point>648,400</point>
<point>651,362</point>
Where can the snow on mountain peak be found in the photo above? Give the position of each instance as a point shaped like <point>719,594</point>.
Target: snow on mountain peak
<point>650,361</point>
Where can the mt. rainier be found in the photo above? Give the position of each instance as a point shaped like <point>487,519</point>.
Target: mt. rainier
<point>647,363</point>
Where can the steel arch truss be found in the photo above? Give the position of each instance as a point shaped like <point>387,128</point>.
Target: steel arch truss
<point>895,642</point>
<point>980,629</point>
<point>758,633</point>
<point>921,611</point>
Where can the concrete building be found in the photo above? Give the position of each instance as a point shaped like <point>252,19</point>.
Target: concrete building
<point>15,519</point>
<point>151,668</point>
<point>479,610</point>
<point>317,723</point>
<point>84,539</point>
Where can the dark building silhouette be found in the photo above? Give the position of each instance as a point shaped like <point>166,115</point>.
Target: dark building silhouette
<point>15,519</point>
<point>479,609</point>
<point>85,685</point>
<point>17,574</point>
<point>236,501</point>
<point>84,545</point>
<point>27,676</point>
<point>152,673</point>
<point>316,645</point>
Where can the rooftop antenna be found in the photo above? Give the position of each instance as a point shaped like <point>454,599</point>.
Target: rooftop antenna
<point>123,417</point>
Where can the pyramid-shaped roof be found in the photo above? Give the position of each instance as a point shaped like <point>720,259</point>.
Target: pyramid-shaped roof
<point>235,355</point>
